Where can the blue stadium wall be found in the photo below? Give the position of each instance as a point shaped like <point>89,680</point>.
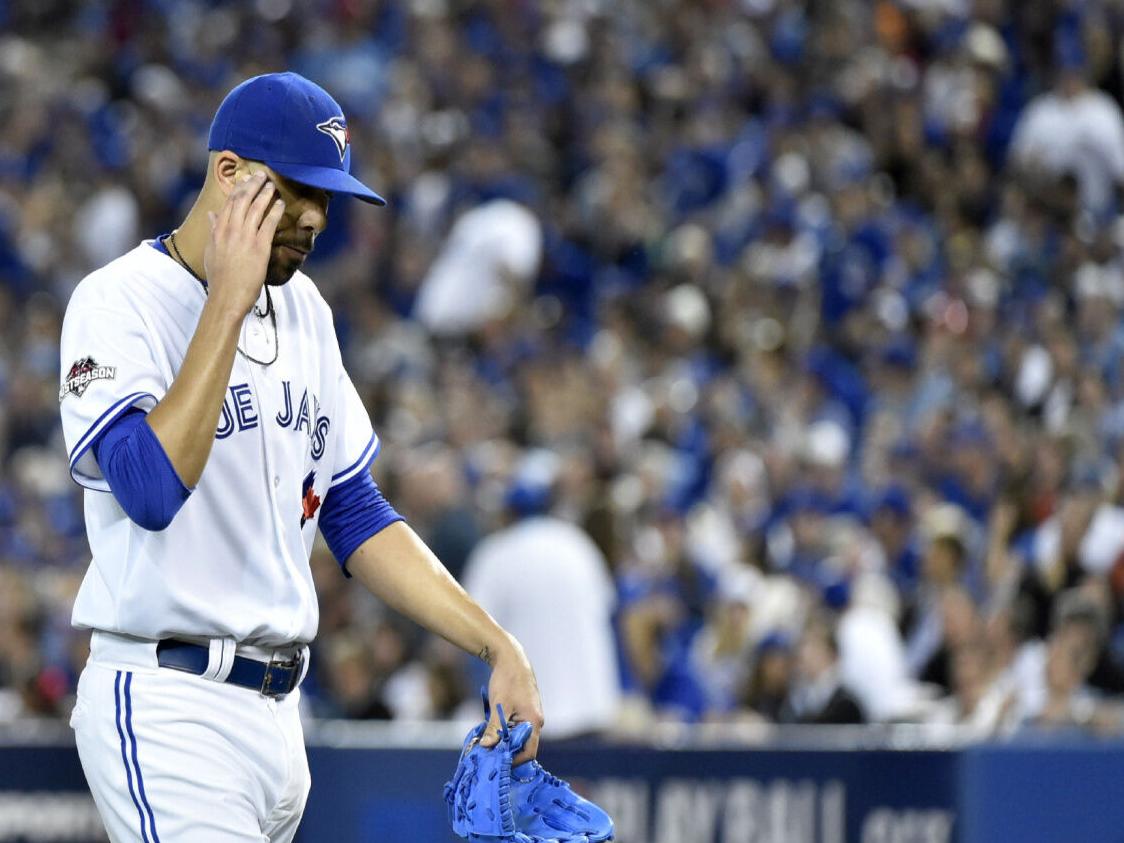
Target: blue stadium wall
<point>981,794</point>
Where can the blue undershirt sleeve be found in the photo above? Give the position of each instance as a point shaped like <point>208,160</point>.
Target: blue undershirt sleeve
<point>138,471</point>
<point>352,512</point>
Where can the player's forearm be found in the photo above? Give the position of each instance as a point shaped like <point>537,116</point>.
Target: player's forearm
<point>185,419</point>
<point>397,566</point>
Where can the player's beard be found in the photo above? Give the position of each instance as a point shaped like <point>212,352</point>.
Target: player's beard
<point>282,265</point>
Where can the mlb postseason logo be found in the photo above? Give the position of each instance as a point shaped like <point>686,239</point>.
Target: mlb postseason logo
<point>82,374</point>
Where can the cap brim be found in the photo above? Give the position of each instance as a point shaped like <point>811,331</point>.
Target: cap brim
<point>327,178</point>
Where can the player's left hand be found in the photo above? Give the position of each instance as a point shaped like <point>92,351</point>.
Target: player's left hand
<point>514,687</point>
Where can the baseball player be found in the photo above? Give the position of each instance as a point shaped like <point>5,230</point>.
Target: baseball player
<point>208,415</point>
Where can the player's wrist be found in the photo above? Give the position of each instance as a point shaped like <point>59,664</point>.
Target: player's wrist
<point>502,648</point>
<point>226,309</point>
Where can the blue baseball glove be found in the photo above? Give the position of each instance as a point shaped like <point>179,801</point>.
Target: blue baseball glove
<point>491,801</point>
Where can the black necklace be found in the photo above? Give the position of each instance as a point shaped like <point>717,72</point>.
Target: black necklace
<point>269,309</point>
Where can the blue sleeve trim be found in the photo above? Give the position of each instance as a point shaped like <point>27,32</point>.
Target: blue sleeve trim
<point>91,434</point>
<point>364,461</point>
<point>353,512</point>
<point>139,473</point>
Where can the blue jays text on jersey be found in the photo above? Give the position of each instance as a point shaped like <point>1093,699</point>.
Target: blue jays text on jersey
<point>239,414</point>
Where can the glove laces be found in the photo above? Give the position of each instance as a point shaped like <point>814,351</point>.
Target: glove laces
<point>548,777</point>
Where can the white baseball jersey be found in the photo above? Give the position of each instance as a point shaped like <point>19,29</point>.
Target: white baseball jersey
<point>234,560</point>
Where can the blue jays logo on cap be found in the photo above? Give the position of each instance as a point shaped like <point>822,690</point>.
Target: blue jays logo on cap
<point>337,130</point>
<point>281,120</point>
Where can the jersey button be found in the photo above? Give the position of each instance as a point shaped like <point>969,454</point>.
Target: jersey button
<point>276,481</point>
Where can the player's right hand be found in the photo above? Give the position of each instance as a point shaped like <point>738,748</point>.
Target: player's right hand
<point>237,253</point>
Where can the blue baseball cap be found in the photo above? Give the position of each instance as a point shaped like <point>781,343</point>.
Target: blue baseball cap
<point>294,127</point>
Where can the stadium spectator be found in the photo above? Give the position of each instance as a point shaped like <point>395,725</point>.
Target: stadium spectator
<point>1019,663</point>
<point>872,657</point>
<point>1068,701</point>
<point>489,258</point>
<point>939,594</point>
<point>818,694</point>
<point>664,597</point>
<point>767,689</point>
<point>779,282</point>
<point>1073,131</point>
<point>546,582</point>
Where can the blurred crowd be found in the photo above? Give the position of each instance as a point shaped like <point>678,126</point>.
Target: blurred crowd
<point>753,360</point>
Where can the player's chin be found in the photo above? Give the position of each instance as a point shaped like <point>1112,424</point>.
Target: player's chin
<point>284,261</point>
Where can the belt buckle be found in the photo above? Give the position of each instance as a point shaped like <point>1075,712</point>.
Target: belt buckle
<point>293,665</point>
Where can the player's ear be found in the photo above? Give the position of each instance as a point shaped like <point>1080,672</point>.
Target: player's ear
<point>228,169</point>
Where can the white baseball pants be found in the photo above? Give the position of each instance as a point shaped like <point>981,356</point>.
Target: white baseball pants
<point>176,758</point>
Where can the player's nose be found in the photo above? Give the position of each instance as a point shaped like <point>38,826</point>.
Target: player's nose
<point>312,217</point>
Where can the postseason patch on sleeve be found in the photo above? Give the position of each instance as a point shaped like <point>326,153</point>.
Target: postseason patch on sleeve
<point>82,374</point>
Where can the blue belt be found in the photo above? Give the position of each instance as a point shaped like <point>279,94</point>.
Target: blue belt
<point>270,679</point>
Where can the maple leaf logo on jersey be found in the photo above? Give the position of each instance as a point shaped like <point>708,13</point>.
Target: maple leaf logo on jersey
<point>337,130</point>
<point>82,373</point>
<point>310,502</point>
